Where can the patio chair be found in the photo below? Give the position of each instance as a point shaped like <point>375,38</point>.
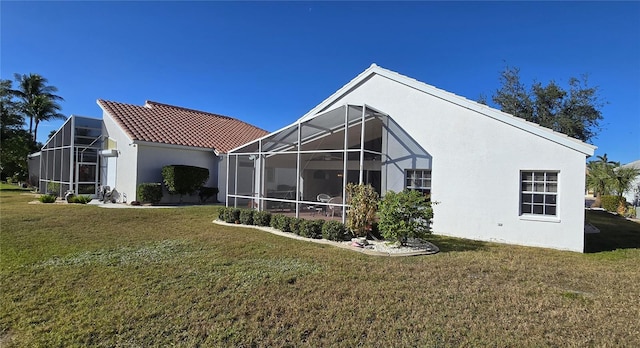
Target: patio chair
<point>335,206</point>
<point>323,197</point>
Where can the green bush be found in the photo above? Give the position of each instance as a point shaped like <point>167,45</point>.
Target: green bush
<point>222,213</point>
<point>149,192</point>
<point>403,215</point>
<point>207,192</point>
<point>280,222</point>
<point>246,216</point>
<point>335,230</point>
<point>182,179</point>
<point>47,198</point>
<point>311,228</point>
<point>611,203</point>
<point>232,215</point>
<point>261,218</point>
<point>80,199</point>
<point>294,225</point>
<point>276,221</point>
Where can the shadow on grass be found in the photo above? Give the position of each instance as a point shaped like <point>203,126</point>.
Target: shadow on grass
<point>448,244</point>
<point>615,232</point>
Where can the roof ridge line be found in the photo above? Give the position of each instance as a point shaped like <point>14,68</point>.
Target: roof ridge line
<point>146,102</point>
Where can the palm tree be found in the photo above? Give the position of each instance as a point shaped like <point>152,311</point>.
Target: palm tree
<point>31,90</point>
<point>44,109</point>
<point>600,177</point>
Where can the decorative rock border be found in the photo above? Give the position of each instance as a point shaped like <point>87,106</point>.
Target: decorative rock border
<point>430,248</point>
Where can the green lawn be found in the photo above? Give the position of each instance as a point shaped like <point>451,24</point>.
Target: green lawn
<point>79,275</point>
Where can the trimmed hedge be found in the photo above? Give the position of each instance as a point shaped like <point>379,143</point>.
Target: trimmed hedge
<point>182,179</point>
<point>311,228</point>
<point>335,230</point>
<point>207,192</point>
<point>294,225</point>
<point>246,217</point>
<point>149,192</point>
<point>261,218</point>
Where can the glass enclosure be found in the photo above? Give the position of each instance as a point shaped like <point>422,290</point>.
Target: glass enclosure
<point>305,167</point>
<point>69,160</point>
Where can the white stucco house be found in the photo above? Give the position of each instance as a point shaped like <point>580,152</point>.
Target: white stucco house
<point>496,177</point>
<point>140,140</point>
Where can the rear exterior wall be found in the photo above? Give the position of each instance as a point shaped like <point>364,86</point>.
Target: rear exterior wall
<point>476,166</point>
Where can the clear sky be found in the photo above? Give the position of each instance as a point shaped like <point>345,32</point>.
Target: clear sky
<point>268,63</point>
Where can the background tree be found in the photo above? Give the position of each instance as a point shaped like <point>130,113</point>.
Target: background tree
<point>36,95</point>
<point>44,109</point>
<point>14,141</point>
<point>574,112</point>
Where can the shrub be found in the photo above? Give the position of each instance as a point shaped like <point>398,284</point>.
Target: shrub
<point>47,198</point>
<point>261,218</point>
<point>403,215</point>
<point>611,203</point>
<point>334,230</point>
<point>207,192</point>
<point>280,222</point>
<point>232,215</point>
<point>364,203</point>
<point>286,223</point>
<point>294,225</point>
<point>80,199</point>
<point>222,213</point>
<point>182,179</point>
<point>311,228</point>
<point>246,217</point>
<point>149,192</point>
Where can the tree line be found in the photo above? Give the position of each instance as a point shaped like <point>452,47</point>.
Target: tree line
<point>32,101</point>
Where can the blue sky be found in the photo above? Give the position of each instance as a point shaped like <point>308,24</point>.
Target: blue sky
<point>268,63</point>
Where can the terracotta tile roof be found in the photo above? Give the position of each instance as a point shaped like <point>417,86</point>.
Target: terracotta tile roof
<point>168,124</point>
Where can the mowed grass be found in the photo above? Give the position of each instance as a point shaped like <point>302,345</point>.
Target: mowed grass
<point>79,275</point>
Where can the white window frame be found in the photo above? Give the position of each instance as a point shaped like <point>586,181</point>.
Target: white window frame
<point>418,180</point>
<point>539,193</point>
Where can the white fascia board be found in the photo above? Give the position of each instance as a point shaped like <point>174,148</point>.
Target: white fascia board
<point>485,110</point>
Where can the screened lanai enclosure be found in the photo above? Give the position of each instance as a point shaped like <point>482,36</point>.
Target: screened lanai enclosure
<point>305,167</point>
<point>69,161</point>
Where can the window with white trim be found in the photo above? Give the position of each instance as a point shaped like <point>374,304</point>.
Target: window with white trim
<point>419,180</point>
<point>538,193</point>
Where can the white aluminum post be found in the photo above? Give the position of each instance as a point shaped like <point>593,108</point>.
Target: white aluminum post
<point>226,194</point>
<point>74,155</point>
<point>235,186</point>
<point>262,160</point>
<point>344,161</point>
<point>298,172</point>
<point>361,181</point>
